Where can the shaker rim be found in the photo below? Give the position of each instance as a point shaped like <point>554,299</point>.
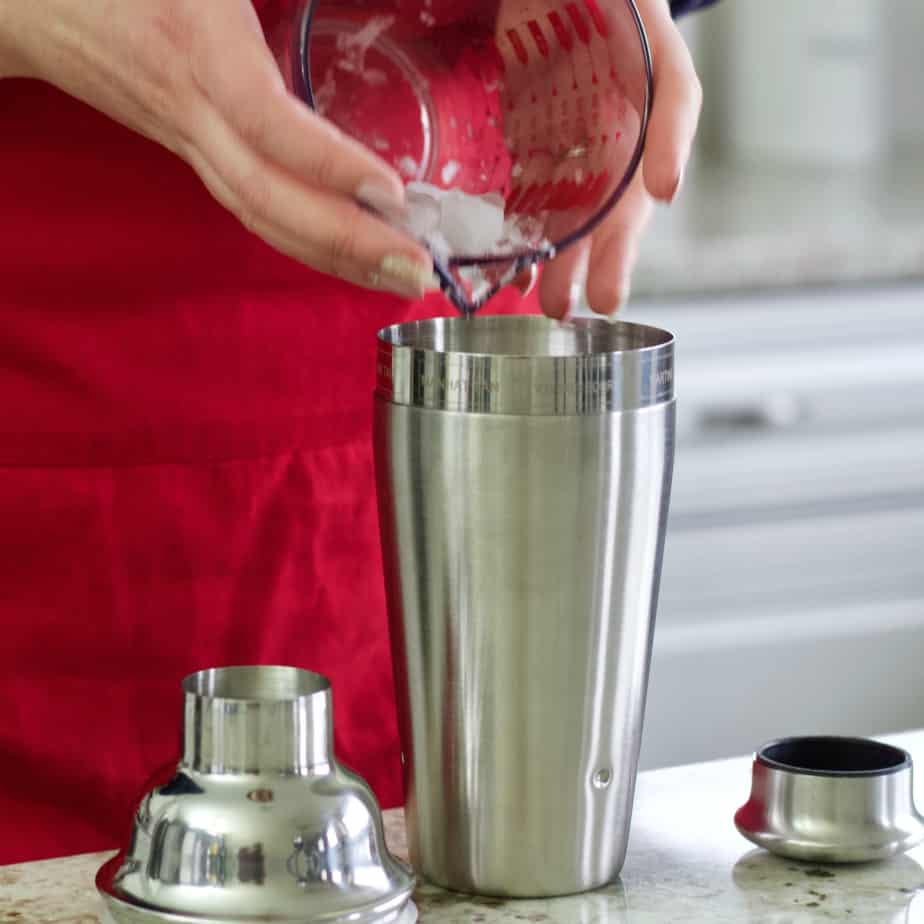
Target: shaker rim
<point>879,758</point>
<point>654,339</point>
<point>248,683</point>
<point>525,365</point>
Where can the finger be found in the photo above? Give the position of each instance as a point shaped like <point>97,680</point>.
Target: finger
<point>322,229</point>
<point>249,92</point>
<point>615,250</point>
<point>561,287</point>
<point>676,105</point>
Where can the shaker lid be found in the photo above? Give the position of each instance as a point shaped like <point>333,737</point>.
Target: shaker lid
<point>529,365</point>
<point>831,799</point>
<point>260,822</point>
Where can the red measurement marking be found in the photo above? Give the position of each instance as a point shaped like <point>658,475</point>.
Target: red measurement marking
<point>582,192</point>
<point>577,20</point>
<point>556,196</point>
<point>518,47</point>
<point>495,56</point>
<point>540,40</point>
<point>599,20</point>
<point>597,188</point>
<point>513,202</point>
<point>529,197</point>
<point>563,195</point>
<point>551,195</point>
<point>541,199</point>
<point>573,194</point>
<point>546,200</point>
<point>561,31</point>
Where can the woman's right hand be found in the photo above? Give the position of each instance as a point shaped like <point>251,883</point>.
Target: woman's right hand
<point>198,78</point>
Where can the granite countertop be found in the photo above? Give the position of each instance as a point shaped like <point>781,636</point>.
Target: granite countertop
<point>742,226</point>
<point>686,863</point>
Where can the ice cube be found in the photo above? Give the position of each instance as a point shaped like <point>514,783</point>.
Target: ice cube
<point>467,225</point>
<point>408,166</point>
<point>450,171</point>
<point>439,247</point>
<point>424,211</point>
<point>472,225</point>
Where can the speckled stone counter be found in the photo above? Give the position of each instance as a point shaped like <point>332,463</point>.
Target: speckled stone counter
<point>686,863</point>
<point>764,226</point>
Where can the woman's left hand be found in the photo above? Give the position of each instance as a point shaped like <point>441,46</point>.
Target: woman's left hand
<point>601,267</point>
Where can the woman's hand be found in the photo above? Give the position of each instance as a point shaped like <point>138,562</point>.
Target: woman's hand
<point>602,266</point>
<point>197,77</point>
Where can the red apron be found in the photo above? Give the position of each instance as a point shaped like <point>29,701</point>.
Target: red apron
<point>185,473</point>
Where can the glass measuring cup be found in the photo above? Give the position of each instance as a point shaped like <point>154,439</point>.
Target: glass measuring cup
<point>516,124</point>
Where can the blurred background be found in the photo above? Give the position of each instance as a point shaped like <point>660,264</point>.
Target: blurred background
<point>791,270</point>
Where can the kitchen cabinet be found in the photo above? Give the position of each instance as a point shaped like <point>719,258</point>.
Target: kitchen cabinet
<point>792,596</point>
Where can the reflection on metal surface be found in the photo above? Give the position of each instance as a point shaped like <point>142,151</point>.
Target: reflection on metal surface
<point>251,864</point>
<point>181,855</point>
<point>322,858</point>
<point>258,778</point>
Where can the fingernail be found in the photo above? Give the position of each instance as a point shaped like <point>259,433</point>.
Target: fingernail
<point>526,281</point>
<point>677,184</point>
<point>407,277</point>
<point>382,198</point>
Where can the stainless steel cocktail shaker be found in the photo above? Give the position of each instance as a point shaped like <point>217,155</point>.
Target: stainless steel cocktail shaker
<point>259,823</point>
<point>524,471</point>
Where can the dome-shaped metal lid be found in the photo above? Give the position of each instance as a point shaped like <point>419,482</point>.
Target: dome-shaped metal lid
<point>260,823</point>
<point>830,799</point>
